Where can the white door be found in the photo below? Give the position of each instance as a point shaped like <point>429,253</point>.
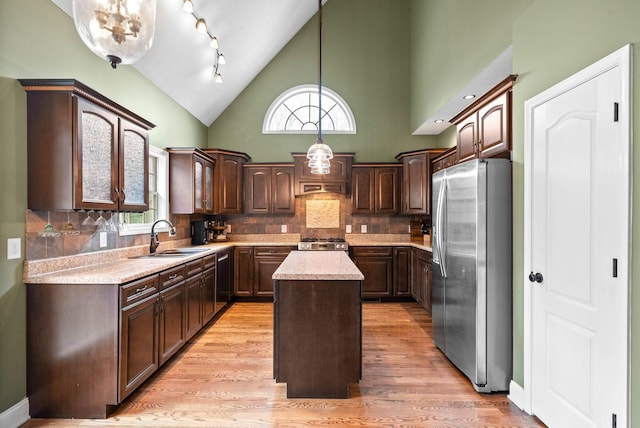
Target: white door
<point>578,247</point>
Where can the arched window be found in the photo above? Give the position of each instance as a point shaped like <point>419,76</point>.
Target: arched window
<point>295,111</point>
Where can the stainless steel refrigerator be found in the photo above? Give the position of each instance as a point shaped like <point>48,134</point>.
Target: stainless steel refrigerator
<point>471,294</point>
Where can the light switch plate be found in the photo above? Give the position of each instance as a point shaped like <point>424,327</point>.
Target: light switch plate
<point>103,239</point>
<point>363,228</point>
<point>283,228</point>
<point>14,248</point>
<point>348,228</point>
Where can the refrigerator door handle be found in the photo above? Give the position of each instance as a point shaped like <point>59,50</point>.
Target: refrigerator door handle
<point>440,226</point>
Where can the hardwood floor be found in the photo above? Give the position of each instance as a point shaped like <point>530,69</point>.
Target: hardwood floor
<point>223,378</point>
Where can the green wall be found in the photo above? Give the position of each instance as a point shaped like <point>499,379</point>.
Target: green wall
<point>570,35</point>
<point>38,40</point>
<point>365,59</point>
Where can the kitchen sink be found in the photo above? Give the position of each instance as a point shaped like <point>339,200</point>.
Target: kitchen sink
<point>175,252</point>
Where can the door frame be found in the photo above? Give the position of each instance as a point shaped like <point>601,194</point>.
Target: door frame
<point>620,58</point>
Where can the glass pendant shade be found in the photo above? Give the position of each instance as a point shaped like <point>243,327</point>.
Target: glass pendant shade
<point>120,31</point>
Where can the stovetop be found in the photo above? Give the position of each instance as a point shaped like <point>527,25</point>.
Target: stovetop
<point>323,240</point>
<point>328,244</point>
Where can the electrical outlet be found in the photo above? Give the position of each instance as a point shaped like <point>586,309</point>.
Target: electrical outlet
<point>363,228</point>
<point>103,239</point>
<point>283,228</point>
<point>348,228</point>
<point>14,248</point>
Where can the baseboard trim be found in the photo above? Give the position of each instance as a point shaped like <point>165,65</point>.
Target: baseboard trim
<point>516,395</point>
<point>15,415</point>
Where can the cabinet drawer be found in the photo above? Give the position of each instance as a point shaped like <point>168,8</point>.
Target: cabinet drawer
<point>136,291</point>
<point>372,251</point>
<point>209,262</point>
<point>272,251</point>
<point>172,276</point>
<point>194,267</point>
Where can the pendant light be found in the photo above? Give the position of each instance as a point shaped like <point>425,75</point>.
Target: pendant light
<point>319,154</point>
<point>120,31</point>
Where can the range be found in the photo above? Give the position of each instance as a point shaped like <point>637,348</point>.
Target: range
<point>329,244</point>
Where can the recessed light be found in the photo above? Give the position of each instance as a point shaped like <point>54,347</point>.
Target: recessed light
<point>438,121</point>
<point>469,97</point>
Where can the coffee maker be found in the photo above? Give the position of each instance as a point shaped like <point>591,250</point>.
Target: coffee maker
<point>200,232</point>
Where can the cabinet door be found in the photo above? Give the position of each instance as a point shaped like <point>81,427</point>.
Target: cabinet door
<point>138,344</point>
<point>363,190</point>
<point>387,190</point>
<point>401,271</point>
<point>467,138</point>
<point>417,268</point>
<point>282,190</point>
<point>97,158</point>
<point>427,283</point>
<point>494,133</point>
<point>264,267</point>
<point>229,195</point>
<point>243,271</point>
<point>198,185</point>
<point>193,298</point>
<point>257,190</point>
<point>208,295</point>
<point>208,187</point>
<point>172,326</point>
<point>376,264</point>
<point>133,189</point>
<point>416,184</point>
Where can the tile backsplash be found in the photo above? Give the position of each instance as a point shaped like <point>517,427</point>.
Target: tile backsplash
<point>321,216</point>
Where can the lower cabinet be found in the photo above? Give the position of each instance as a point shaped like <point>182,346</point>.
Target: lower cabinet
<point>254,268</point>
<point>402,271</point>
<point>421,277</point>
<point>376,264</point>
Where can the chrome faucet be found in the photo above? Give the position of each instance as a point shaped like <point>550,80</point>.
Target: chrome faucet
<point>154,236</point>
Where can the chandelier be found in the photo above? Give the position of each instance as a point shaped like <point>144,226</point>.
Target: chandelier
<point>120,31</point>
<point>319,154</point>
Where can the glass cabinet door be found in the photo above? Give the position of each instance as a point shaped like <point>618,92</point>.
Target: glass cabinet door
<point>134,185</point>
<point>198,195</point>
<point>208,189</point>
<point>96,167</point>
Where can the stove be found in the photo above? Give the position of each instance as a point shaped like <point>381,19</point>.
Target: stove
<point>330,244</point>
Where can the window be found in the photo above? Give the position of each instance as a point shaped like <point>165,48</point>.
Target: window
<point>295,111</point>
<point>140,223</point>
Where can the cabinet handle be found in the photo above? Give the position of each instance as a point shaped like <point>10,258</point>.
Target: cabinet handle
<point>173,276</point>
<point>140,290</point>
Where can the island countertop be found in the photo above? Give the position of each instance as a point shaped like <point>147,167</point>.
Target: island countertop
<point>318,265</point>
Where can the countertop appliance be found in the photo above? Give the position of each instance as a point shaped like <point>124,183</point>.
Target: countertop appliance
<point>329,244</point>
<point>471,288</point>
<point>200,231</point>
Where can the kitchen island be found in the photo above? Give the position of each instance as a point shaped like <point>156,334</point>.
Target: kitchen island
<point>317,324</point>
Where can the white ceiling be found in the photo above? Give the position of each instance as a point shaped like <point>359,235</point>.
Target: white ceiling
<point>250,34</point>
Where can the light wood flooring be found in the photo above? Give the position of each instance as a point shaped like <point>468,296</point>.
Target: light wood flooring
<point>223,378</point>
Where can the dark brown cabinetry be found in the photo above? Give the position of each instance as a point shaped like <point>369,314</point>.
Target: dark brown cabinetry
<point>375,189</point>
<point>84,150</point>
<point>227,182</point>
<point>337,181</point>
<point>421,277</point>
<point>190,181</point>
<point>445,160</point>
<point>376,264</point>
<point>484,128</point>
<point>254,268</point>
<point>193,291</point>
<point>416,180</point>
<point>268,189</point>
<point>401,271</point>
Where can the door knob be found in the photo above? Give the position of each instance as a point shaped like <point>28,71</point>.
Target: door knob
<point>535,277</point>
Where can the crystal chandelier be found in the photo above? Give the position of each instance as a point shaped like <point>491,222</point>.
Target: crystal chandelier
<point>120,31</point>
<point>319,154</point>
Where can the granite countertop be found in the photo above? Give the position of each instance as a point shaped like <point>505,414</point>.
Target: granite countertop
<point>120,266</point>
<point>318,265</point>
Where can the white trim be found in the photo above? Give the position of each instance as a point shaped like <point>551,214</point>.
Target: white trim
<point>517,395</point>
<point>620,58</point>
<point>306,88</point>
<point>163,196</point>
<point>15,415</point>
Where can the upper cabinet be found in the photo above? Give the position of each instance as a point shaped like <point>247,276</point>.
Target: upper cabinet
<point>444,160</point>
<point>268,189</point>
<point>84,150</point>
<point>484,128</point>
<point>337,181</point>
<point>190,181</point>
<point>375,188</point>
<point>416,180</point>
<point>227,183</point>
